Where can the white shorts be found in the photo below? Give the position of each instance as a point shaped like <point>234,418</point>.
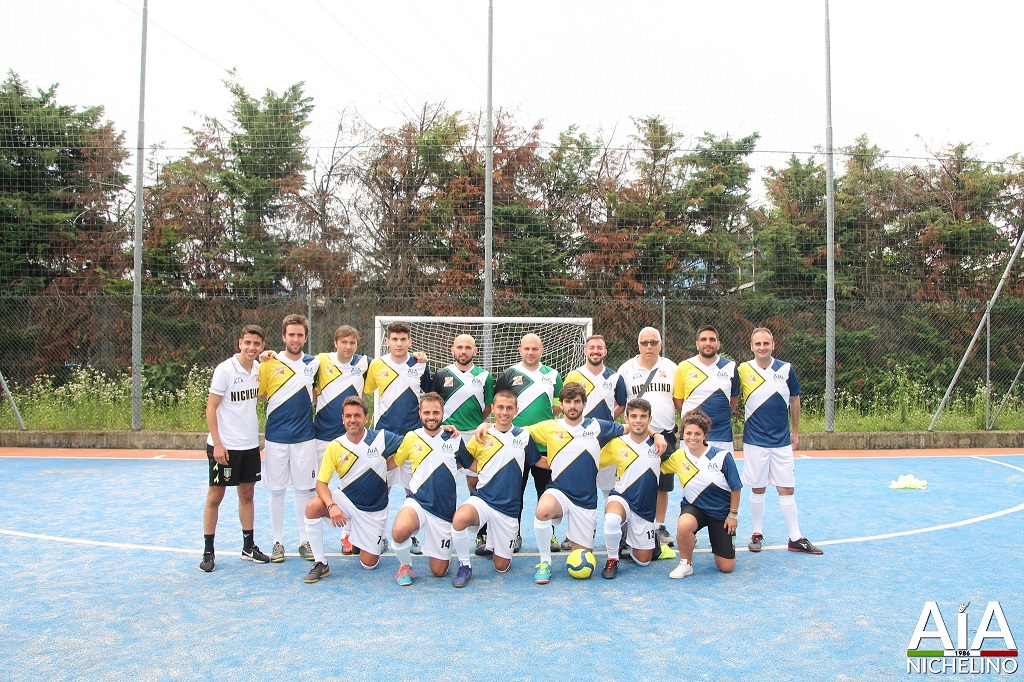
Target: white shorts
<point>289,464</point>
<point>365,529</point>
<point>639,531</point>
<point>606,477</point>
<point>321,447</point>
<point>582,522</point>
<point>400,476</point>
<point>763,467</point>
<point>435,533</point>
<point>501,530</point>
<point>726,445</point>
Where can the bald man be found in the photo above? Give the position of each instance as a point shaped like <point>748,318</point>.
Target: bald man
<point>535,386</point>
<point>467,390</point>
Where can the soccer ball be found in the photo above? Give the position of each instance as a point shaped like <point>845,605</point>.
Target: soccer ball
<point>581,563</point>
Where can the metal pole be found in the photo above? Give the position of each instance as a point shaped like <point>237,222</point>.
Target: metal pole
<point>664,335</point>
<point>489,195</point>
<point>140,160</point>
<point>10,399</point>
<point>1006,398</point>
<point>830,244</point>
<point>977,332</point>
<point>988,364</point>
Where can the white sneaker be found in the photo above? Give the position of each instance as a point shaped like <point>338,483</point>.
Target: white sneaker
<point>684,569</point>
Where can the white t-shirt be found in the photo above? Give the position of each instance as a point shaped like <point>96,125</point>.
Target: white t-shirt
<point>236,414</point>
<point>659,392</point>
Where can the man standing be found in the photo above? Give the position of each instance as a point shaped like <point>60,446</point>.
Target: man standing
<point>286,383</point>
<point>707,382</point>
<point>535,386</point>
<point>341,375</point>
<point>434,455</point>
<point>651,377</point>
<point>467,390</point>
<point>771,401</point>
<point>360,459</point>
<point>233,446</point>
<point>606,399</point>
<point>500,458</point>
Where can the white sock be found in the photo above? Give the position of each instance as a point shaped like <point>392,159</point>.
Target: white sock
<point>612,534</point>
<point>301,498</point>
<point>403,550</point>
<point>542,532</point>
<point>315,535</point>
<point>277,515</point>
<point>787,505</point>
<point>607,493</point>
<point>463,541</point>
<point>756,512</point>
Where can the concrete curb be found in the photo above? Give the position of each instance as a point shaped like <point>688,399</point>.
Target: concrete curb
<point>866,440</point>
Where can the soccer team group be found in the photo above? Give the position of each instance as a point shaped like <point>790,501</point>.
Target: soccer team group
<point>562,434</point>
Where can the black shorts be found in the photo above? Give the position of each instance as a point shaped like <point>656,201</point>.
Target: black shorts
<point>667,482</point>
<point>243,466</point>
<point>722,544</point>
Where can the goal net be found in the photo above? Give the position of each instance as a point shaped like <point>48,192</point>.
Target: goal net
<point>497,339</point>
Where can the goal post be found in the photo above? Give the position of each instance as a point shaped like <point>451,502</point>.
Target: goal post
<point>497,339</point>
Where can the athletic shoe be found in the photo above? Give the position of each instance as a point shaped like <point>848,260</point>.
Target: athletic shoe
<point>383,547</point>
<point>404,576</point>
<point>320,570</point>
<point>518,544</point>
<point>416,549</point>
<point>624,549</point>
<point>207,564</point>
<point>665,538</point>
<point>255,555</point>
<point>566,545</point>
<point>543,574</point>
<point>346,546</point>
<point>611,569</point>
<point>684,569</point>
<point>305,551</point>
<point>756,540</point>
<point>666,552</point>
<point>804,545</point>
<point>556,546</point>
<point>277,553</point>
<point>462,576</point>
<point>481,545</point>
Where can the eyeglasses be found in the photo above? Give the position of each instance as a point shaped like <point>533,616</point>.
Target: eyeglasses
<point>650,343</point>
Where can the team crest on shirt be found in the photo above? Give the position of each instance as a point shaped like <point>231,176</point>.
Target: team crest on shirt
<point>383,374</point>
<point>449,382</point>
<point>330,370</point>
<point>418,448</point>
<point>661,374</point>
<point>607,385</point>
<point>280,371</point>
<point>239,380</point>
<point>559,434</point>
<point>695,375</point>
<point>477,382</point>
<point>547,380</point>
<point>517,381</point>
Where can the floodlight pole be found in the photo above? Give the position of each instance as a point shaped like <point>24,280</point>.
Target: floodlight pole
<point>140,161</point>
<point>830,244</point>
<point>489,193</point>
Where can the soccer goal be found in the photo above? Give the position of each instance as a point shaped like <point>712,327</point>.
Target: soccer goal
<point>496,337</point>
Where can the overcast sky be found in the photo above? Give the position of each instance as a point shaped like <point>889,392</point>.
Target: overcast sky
<point>945,72</point>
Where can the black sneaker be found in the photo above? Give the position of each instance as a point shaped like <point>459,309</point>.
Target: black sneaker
<point>481,545</point>
<point>611,569</point>
<point>756,541</point>
<point>207,564</point>
<point>803,545</point>
<point>319,570</point>
<point>255,555</point>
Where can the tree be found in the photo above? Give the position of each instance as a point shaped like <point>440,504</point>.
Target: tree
<point>60,177</point>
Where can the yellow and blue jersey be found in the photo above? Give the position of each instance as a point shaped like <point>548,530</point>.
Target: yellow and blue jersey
<point>574,453</point>
<point>709,389</point>
<point>399,387</point>
<point>500,460</point>
<point>637,467</point>
<point>433,460</point>
<point>605,392</point>
<point>335,381</point>
<point>361,467</point>
<point>287,386</point>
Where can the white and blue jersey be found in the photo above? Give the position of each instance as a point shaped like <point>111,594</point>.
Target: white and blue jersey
<point>766,394</point>
<point>287,386</point>
<point>500,461</point>
<point>574,453</point>
<point>605,392</point>
<point>398,386</point>
<point>707,480</point>
<point>336,381</point>
<point>637,468</point>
